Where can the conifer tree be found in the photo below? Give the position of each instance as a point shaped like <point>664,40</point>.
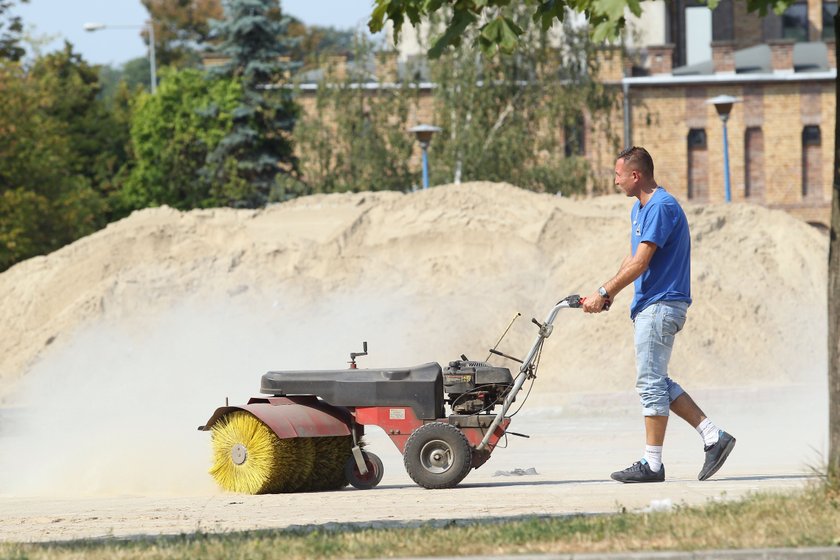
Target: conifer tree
<point>247,161</point>
<point>11,32</point>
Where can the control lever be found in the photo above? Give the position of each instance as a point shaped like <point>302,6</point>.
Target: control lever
<point>502,354</point>
<point>545,329</point>
<point>354,355</point>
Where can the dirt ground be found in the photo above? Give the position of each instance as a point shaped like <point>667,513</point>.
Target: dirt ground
<point>572,447</point>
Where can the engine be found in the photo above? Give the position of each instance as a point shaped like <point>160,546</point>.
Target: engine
<point>474,387</point>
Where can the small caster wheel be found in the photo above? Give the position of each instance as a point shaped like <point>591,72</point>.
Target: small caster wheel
<point>368,480</point>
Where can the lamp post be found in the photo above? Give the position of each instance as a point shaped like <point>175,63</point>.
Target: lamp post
<point>95,26</point>
<point>723,106</point>
<point>424,133</point>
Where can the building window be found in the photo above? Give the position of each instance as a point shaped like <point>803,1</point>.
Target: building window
<point>573,133</point>
<point>795,22</point>
<point>698,34</point>
<point>828,11</point>
<point>811,162</point>
<point>754,163</point>
<point>698,168</point>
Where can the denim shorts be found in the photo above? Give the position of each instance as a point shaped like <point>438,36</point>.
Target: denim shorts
<point>655,328</point>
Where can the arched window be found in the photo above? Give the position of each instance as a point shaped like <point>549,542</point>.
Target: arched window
<point>811,162</point>
<point>754,164</point>
<point>698,165</point>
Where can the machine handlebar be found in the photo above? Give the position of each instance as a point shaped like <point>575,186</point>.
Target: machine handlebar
<point>528,368</point>
<point>573,301</point>
<point>606,305</point>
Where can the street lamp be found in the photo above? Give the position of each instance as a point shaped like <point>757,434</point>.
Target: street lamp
<point>723,106</point>
<point>424,133</point>
<point>95,26</point>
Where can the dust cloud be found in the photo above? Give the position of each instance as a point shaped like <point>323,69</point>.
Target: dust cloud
<point>114,410</point>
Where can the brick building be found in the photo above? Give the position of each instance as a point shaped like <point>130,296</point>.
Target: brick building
<point>780,134</point>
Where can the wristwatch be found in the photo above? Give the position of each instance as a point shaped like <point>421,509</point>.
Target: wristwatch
<point>602,291</point>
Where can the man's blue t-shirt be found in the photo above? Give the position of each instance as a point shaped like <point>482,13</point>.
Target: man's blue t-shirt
<point>668,277</point>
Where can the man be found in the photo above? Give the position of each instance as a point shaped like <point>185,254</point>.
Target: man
<point>659,268</point>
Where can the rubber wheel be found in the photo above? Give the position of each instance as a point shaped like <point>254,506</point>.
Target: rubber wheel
<point>437,455</point>
<point>371,478</point>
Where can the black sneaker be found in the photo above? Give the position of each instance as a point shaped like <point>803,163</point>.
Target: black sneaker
<point>639,472</point>
<point>716,455</point>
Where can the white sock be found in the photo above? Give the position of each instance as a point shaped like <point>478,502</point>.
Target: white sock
<point>653,456</point>
<point>709,432</point>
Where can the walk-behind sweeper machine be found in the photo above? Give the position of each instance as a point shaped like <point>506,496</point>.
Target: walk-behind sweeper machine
<point>305,434</point>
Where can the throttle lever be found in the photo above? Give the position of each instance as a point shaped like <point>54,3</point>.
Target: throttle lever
<point>502,354</point>
<point>545,329</point>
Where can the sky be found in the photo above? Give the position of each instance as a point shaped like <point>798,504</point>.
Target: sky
<point>57,20</point>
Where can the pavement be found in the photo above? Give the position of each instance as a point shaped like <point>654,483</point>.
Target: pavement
<point>572,449</point>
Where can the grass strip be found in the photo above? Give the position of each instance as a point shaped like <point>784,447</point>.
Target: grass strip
<point>807,518</point>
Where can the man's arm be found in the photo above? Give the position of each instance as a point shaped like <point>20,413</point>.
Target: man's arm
<point>624,263</point>
<point>631,268</point>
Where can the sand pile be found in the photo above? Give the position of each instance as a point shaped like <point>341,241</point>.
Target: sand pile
<point>424,276</point>
<point>116,347</point>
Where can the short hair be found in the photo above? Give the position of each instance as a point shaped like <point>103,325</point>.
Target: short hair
<point>639,159</point>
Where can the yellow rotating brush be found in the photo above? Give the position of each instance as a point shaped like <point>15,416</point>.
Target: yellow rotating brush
<point>331,454</point>
<point>249,458</point>
<point>298,463</point>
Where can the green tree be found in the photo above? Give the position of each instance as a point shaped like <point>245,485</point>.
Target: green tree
<point>356,139</point>
<point>499,113</point>
<point>42,205</point>
<point>498,116</point>
<point>97,138</point>
<point>172,133</point>
<point>181,28</point>
<point>32,147</point>
<point>491,26</point>
<point>10,32</point>
<point>314,43</point>
<point>137,72</point>
<point>259,146</point>
<point>134,73</point>
<point>184,28</point>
